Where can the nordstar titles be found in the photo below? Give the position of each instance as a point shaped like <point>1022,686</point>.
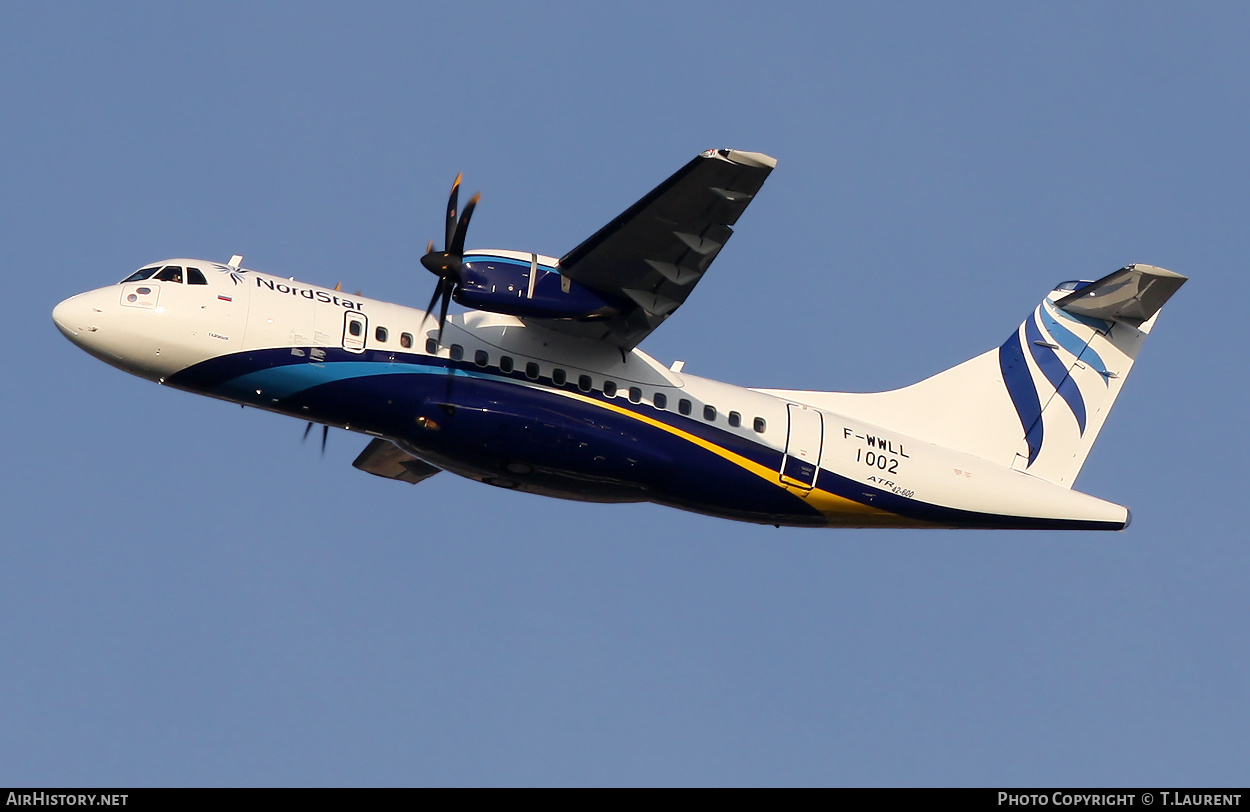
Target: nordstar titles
<point>308,293</point>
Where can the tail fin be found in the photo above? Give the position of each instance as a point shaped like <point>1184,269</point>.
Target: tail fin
<point>1037,402</point>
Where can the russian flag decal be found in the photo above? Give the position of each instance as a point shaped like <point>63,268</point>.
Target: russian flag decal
<point>225,298</point>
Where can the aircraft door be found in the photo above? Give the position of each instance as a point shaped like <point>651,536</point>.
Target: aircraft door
<point>804,438</point>
<point>355,329</point>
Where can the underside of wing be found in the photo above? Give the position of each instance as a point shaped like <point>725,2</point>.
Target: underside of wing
<point>383,458</point>
<point>651,256</point>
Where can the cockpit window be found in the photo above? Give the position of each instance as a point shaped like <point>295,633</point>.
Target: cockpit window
<point>142,273</point>
<point>194,277</point>
<point>170,273</point>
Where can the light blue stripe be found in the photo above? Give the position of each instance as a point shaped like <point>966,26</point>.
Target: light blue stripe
<point>1056,371</point>
<point>1073,343</point>
<point>282,382</point>
<point>470,258</point>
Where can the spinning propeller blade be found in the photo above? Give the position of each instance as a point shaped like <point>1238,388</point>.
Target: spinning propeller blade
<point>448,263</point>
<point>325,432</point>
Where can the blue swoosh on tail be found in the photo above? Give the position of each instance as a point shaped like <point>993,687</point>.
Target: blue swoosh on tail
<point>1019,382</point>
<point>1073,343</point>
<point>1055,370</point>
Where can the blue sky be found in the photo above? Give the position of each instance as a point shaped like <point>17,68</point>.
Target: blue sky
<point>189,596</point>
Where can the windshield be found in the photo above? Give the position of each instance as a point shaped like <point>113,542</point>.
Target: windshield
<point>142,273</point>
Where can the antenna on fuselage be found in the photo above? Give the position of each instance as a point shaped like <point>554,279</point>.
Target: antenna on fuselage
<point>236,261</point>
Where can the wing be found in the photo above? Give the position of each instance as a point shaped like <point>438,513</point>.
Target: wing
<point>383,458</point>
<point>650,257</point>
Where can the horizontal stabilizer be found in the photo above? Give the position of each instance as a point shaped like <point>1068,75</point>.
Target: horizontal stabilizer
<point>1132,294</point>
<point>383,458</point>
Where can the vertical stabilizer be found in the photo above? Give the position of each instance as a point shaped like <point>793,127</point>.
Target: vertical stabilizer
<point>1037,402</point>
<point>1066,365</point>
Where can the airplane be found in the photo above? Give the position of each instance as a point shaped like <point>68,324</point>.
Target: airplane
<point>540,386</point>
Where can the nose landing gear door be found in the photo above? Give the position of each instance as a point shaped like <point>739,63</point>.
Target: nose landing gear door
<point>355,328</point>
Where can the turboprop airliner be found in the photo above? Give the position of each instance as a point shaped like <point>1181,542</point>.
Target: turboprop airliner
<point>540,386</point>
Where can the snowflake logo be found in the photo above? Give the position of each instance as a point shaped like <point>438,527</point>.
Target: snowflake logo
<point>236,274</point>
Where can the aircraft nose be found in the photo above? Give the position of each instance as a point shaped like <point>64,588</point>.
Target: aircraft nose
<point>78,317</point>
<point>70,316</point>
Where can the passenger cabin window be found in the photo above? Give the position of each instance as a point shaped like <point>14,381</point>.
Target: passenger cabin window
<point>760,425</point>
<point>505,363</point>
<point>431,346</point>
<point>142,273</point>
<point>558,377</point>
<point>584,383</point>
<point>405,340</point>
<point>170,273</point>
<point>355,328</point>
<point>609,388</point>
<point>635,394</point>
<point>195,277</point>
<point>381,333</point>
<point>683,406</point>
<point>709,412</point>
<point>531,371</point>
<point>735,419</point>
<point>457,352</point>
<point>660,400</point>
<point>481,358</point>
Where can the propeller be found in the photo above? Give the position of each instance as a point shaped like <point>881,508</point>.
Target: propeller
<point>448,263</point>
<point>325,432</point>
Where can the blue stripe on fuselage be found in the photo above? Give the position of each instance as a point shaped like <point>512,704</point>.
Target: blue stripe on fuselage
<point>567,444</point>
<point>496,410</point>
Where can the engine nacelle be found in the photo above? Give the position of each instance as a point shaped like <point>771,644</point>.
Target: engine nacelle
<point>528,285</point>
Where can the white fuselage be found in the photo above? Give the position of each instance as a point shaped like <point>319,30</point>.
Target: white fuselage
<point>523,407</point>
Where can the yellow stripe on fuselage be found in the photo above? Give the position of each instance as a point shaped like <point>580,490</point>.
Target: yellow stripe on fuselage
<point>838,509</point>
